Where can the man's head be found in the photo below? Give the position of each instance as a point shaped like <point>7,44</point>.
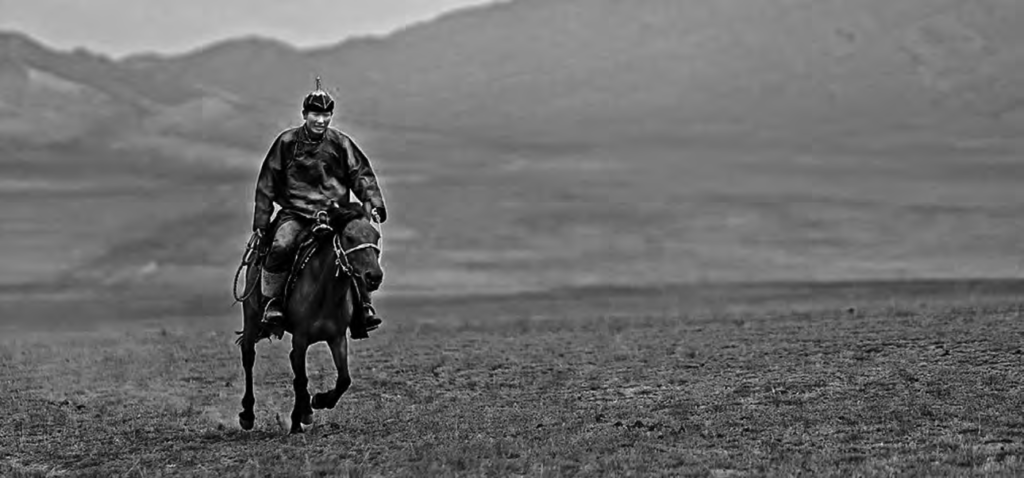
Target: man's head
<point>317,109</point>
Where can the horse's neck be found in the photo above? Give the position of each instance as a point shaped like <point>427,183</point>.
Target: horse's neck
<point>323,285</point>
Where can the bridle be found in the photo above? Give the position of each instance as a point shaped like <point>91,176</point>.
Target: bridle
<point>341,262</point>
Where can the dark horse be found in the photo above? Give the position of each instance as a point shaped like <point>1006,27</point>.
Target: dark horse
<point>322,299</point>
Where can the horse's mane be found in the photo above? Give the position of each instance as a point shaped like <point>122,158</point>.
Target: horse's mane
<point>344,213</point>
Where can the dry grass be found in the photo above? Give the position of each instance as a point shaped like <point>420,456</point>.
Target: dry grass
<point>488,388</point>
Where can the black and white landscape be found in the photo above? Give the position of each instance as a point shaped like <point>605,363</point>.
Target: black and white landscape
<point>721,238</point>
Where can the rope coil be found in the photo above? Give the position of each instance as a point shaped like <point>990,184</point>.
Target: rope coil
<point>249,258</point>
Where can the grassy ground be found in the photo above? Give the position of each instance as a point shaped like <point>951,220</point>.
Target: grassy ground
<point>871,380</point>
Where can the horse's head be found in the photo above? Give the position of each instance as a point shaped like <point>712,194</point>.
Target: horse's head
<point>359,242</point>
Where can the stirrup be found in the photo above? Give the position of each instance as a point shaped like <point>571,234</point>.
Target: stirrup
<point>272,324</point>
<point>267,318</point>
<point>373,321</point>
<point>360,330</point>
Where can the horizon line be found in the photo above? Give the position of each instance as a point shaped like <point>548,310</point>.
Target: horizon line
<point>253,36</point>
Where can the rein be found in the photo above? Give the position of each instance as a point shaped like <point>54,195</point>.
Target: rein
<point>341,254</point>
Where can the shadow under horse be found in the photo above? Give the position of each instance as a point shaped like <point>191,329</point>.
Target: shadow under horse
<point>321,301</point>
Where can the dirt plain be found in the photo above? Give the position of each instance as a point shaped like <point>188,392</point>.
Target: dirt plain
<point>872,379</point>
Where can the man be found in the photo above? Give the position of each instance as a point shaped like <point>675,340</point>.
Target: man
<point>307,168</point>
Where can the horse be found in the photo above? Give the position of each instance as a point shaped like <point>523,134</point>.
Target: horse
<point>321,301</point>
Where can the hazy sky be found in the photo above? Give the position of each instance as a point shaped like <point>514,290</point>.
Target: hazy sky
<point>118,27</point>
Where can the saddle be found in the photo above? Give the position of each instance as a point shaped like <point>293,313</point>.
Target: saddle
<point>309,242</point>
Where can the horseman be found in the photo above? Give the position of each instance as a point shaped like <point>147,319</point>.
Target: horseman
<point>307,168</point>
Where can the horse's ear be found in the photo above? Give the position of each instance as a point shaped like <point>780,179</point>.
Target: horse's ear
<point>342,214</point>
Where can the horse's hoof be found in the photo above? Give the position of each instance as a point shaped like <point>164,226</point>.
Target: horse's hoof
<point>319,402</point>
<point>246,423</point>
<point>307,419</point>
<point>296,429</point>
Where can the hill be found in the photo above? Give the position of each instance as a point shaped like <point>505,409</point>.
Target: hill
<point>575,71</point>
<point>529,145</point>
<point>49,97</point>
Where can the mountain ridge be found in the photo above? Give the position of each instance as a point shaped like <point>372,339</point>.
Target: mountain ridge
<point>586,72</point>
<point>574,71</point>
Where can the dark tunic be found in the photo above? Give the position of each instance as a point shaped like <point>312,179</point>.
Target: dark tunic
<point>303,175</point>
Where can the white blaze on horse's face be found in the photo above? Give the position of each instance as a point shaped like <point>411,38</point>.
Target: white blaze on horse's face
<point>318,122</point>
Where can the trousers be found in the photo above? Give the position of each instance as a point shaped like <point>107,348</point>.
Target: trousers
<point>285,243</point>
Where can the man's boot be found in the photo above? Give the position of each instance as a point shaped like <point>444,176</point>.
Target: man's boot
<point>365,320</point>
<point>272,286</point>
<point>370,314</point>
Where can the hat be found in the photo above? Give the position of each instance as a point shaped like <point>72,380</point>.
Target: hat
<point>318,100</point>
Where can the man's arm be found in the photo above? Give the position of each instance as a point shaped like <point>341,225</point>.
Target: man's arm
<point>266,186</point>
<point>364,181</point>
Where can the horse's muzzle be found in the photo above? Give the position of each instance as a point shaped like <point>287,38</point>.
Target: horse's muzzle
<point>373,280</point>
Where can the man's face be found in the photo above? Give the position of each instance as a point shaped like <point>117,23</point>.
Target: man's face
<point>318,122</point>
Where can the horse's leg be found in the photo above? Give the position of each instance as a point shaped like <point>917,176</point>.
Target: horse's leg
<point>247,418</point>
<point>302,414</point>
<point>247,343</point>
<point>339,350</point>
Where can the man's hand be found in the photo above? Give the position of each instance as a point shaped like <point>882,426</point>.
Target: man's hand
<point>261,237</point>
<point>377,213</point>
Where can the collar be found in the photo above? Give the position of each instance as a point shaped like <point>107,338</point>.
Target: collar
<point>307,136</point>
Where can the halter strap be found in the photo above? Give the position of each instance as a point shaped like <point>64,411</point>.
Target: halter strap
<point>361,247</point>
<point>341,255</point>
